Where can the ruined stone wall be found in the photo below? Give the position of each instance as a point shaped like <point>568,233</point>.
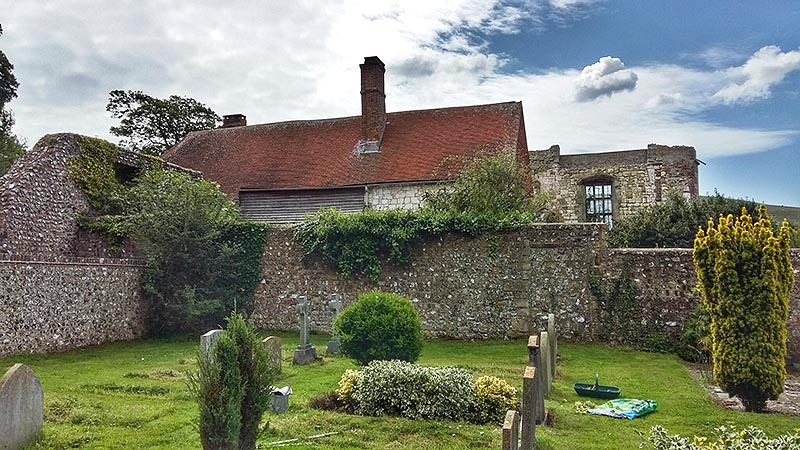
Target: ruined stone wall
<point>503,285</point>
<point>638,177</point>
<point>398,196</point>
<point>60,305</point>
<point>38,205</point>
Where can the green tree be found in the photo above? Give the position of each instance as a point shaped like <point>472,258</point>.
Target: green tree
<point>202,261</point>
<point>10,146</point>
<point>8,82</point>
<point>491,185</point>
<point>744,274</point>
<point>10,149</point>
<point>153,125</point>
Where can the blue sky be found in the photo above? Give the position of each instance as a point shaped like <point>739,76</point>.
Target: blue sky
<point>593,75</point>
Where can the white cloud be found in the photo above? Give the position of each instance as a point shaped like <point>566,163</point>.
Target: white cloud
<point>766,68</point>
<point>605,77</point>
<point>299,60</point>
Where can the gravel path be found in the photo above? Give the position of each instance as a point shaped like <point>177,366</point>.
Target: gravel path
<point>787,403</point>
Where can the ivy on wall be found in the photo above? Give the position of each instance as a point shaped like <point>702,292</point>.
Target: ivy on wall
<point>93,172</point>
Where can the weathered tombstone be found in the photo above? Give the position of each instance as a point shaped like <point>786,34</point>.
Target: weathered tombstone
<point>305,352</point>
<point>336,306</point>
<point>551,333</point>
<point>547,380</point>
<point>21,407</point>
<point>273,346</point>
<point>207,343</point>
<point>528,409</point>
<point>535,360</point>
<point>511,431</point>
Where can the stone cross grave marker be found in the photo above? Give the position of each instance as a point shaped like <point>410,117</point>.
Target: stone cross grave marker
<point>535,360</point>
<point>551,333</point>
<point>528,409</point>
<point>335,304</point>
<point>273,346</point>
<point>21,407</point>
<point>511,431</point>
<point>305,352</point>
<point>547,379</point>
<point>207,343</point>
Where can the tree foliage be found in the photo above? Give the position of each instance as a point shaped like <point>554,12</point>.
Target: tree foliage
<point>232,388</point>
<point>153,125</point>
<point>10,150</point>
<point>8,82</point>
<point>674,222</point>
<point>744,274</point>
<point>10,146</point>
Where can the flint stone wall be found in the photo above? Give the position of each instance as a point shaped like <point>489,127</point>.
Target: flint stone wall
<point>398,196</point>
<point>48,306</point>
<point>499,285</point>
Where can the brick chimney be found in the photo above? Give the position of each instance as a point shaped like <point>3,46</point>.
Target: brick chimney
<point>373,104</point>
<point>234,120</point>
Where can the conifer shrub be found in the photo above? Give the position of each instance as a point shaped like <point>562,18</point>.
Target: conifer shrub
<point>232,388</point>
<point>744,274</point>
<point>380,325</point>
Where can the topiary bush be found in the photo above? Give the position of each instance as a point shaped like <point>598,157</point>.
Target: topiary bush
<point>492,397</point>
<point>744,274</point>
<point>380,326</point>
<point>399,388</point>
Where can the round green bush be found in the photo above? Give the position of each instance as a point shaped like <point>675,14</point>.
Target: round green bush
<point>380,326</point>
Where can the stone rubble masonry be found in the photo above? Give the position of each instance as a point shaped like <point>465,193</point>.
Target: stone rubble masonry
<point>465,289</point>
<point>57,306</point>
<point>398,196</point>
<point>639,178</point>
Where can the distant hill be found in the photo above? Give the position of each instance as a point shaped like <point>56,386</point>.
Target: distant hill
<point>780,212</point>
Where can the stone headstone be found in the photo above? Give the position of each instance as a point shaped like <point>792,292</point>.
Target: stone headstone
<point>336,306</point>
<point>305,352</point>
<point>551,334</point>
<point>535,360</point>
<point>21,407</point>
<point>511,431</point>
<point>207,343</point>
<point>273,346</point>
<point>528,409</point>
<point>547,379</point>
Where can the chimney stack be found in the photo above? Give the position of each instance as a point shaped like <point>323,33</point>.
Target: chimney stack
<point>234,120</point>
<point>373,104</point>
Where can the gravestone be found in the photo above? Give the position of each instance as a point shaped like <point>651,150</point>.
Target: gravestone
<point>551,334</point>
<point>547,380</point>
<point>535,360</point>
<point>336,306</point>
<point>305,352</point>
<point>511,431</point>
<point>207,343</point>
<point>528,409</point>
<point>21,407</point>
<point>273,346</point>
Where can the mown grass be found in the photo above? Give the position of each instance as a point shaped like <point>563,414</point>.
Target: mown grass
<point>134,395</point>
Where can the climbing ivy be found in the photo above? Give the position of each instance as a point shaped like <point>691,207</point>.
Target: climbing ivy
<point>93,173</point>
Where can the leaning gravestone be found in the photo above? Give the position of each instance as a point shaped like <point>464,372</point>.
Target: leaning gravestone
<point>511,431</point>
<point>21,407</point>
<point>551,333</point>
<point>273,346</point>
<point>535,361</point>
<point>305,352</point>
<point>336,306</point>
<point>529,409</point>
<point>547,378</point>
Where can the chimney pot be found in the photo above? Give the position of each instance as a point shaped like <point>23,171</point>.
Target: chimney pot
<point>234,120</point>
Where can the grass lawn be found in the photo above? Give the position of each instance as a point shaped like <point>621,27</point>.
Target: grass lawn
<point>133,395</point>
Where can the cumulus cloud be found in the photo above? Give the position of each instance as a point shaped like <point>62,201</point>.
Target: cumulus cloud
<point>755,78</point>
<point>665,100</point>
<point>605,77</point>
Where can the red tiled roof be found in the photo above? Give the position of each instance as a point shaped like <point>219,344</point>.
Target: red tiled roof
<point>320,153</point>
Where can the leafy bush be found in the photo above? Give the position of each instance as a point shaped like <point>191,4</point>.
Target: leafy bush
<point>233,388</point>
<point>744,274</point>
<point>695,341</point>
<point>346,386</point>
<point>492,398</point>
<point>674,222</point>
<point>380,326</point>
<point>751,438</point>
<point>403,389</point>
